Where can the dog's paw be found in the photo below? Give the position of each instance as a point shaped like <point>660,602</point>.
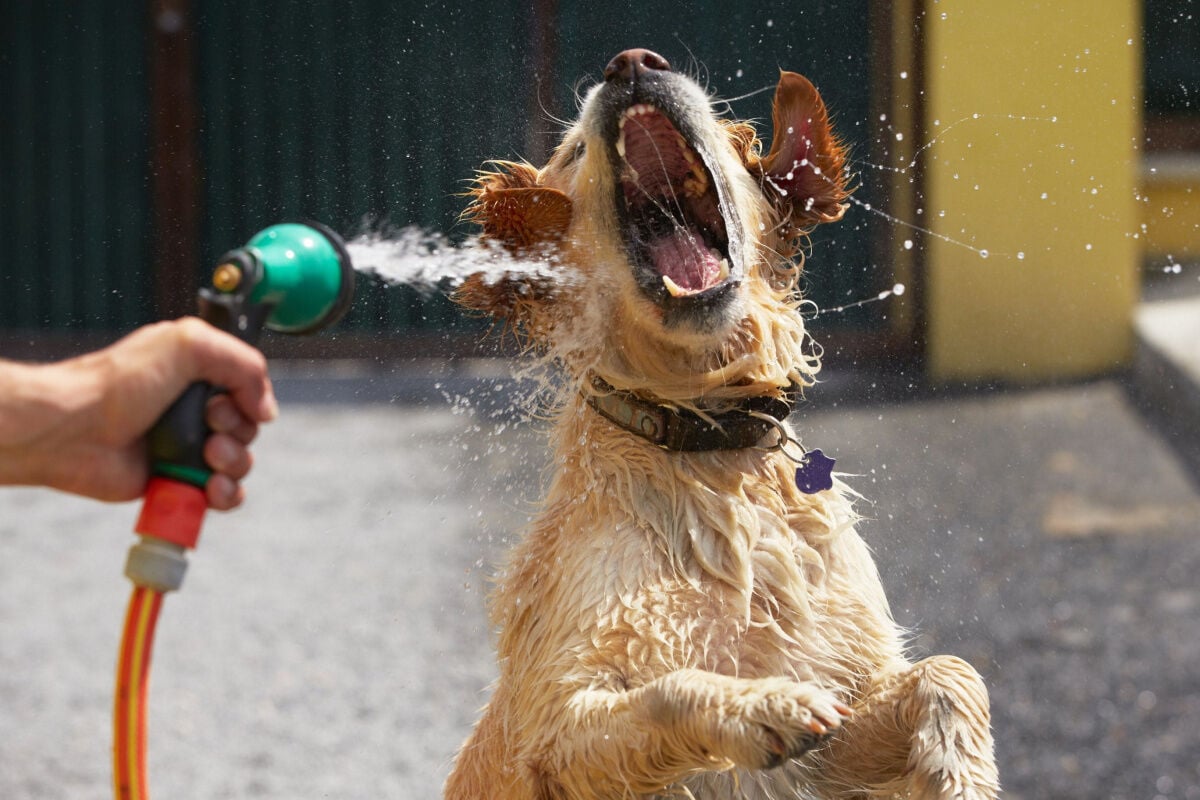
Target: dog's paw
<point>775,720</point>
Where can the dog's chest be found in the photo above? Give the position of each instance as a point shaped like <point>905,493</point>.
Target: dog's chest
<point>640,617</point>
<point>670,572</point>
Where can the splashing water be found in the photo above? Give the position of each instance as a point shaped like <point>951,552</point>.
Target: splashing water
<point>429,262</point>
<point>905,169</point>
<point>895,291</point>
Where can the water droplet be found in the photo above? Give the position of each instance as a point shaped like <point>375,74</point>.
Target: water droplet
<point>1020,255</point>
<point>898,289</point>
<point>983,253</point>
<point>908,244</point>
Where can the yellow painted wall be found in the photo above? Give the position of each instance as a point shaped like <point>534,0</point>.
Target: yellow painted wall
<point>1170,205</point>
<point>1052,202</point>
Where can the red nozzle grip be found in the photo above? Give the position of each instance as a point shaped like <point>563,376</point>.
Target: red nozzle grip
<point>172,511</point>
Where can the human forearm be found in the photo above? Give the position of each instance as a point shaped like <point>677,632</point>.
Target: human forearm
<point>41,406</point>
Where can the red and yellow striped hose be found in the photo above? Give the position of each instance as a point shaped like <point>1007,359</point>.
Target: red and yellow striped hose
<point>129,710</point>
<point>169,525</point>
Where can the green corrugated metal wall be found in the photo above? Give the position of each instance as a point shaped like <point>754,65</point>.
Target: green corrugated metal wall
<point>73,166</point>
<point>345,112</point>
<point>1171,43</point>
<point>354,111</point>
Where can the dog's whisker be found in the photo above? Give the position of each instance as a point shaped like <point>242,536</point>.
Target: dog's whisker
<point>727,101</point>
<point>550,115</point>
<point>579,92</point>
<point>695,69</point>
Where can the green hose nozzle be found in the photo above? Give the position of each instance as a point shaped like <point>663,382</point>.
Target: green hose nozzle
<point>292,278</point>
<point>300,271</point>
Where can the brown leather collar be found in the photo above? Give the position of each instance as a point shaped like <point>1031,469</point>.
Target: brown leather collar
<point>684,431</point>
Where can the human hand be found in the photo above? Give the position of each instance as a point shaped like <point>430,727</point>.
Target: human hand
<point>80,425</point>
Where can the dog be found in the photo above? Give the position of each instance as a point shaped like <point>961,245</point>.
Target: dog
<point>691,613</point>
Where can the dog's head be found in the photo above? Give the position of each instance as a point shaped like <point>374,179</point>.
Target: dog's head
<point>674,227</point>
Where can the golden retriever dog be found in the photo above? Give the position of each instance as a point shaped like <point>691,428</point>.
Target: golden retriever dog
<point>691,612</point>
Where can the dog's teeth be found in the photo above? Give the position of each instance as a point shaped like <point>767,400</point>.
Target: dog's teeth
<point>723,273</point>
<point>696,183</point>
<point>674,288</point>
<point>621,143</point>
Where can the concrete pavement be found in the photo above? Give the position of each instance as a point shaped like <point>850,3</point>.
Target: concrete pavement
<point>329,641</point>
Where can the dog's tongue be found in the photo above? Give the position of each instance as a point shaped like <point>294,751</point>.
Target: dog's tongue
<point>682,257</point>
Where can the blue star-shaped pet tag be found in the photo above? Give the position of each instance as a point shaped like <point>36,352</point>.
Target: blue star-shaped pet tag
<point>815,473</point>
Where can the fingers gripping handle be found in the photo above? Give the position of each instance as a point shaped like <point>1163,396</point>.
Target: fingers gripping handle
<point>175,501</point>
<point>176,442</point>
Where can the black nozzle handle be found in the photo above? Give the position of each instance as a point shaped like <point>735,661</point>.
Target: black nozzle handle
<point>176,442</point>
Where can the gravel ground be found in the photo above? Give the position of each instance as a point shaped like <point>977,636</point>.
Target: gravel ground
<point>329,641</point>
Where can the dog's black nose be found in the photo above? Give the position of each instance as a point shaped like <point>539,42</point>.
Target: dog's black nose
<point>629,65</point>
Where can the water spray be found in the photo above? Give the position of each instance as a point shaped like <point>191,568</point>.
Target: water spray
<point>291,278</point>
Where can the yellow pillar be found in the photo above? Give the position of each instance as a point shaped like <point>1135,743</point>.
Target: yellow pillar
<point>1034,110</point>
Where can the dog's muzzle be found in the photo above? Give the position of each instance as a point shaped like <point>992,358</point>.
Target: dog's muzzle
<point>670,193</point>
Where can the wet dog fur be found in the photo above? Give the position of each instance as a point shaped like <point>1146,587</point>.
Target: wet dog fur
<point>691,623</point>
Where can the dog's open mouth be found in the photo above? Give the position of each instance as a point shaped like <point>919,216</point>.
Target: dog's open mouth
<point>670,208</point>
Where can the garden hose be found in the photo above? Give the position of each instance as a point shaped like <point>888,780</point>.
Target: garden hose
<point>292,278</point>
<point>129,712</point>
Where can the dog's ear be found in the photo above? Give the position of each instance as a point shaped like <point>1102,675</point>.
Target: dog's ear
<point>803,172</point>
<point>528,220</point>
<point>515,210</point>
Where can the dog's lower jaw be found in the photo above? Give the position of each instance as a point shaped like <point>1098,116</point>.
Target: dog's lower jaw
<point>696,325</point>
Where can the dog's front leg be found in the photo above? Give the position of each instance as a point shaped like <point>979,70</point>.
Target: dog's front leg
<point>640,741</point>
<point>921,732</point>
